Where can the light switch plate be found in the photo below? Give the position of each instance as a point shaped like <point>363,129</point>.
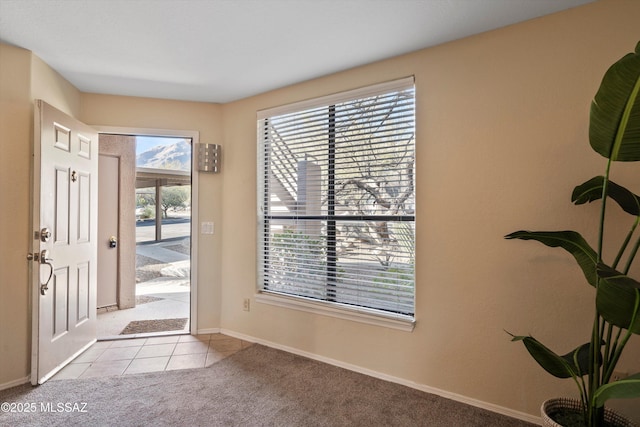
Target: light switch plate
<point>206,228</point>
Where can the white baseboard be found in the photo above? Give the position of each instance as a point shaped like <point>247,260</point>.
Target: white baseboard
<point>14,383</point>
<point>209,331</point>
<point>427,389</point>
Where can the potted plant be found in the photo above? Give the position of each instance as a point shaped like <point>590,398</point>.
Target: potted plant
<point>614,133</point>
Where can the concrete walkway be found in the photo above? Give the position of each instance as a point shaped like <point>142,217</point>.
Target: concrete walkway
<point>158,251</point>
<point>164,297</point>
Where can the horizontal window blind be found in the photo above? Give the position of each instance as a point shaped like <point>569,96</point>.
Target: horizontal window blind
<point>336,195</point>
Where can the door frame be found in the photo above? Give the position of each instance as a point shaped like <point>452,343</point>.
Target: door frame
<point>195,139</point>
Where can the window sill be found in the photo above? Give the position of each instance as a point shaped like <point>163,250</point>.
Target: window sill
<point>356,314</point>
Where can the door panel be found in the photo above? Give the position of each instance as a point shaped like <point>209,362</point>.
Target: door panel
<point>61,137</point>
<point>84,287</point>
<point>65,201</point>
<point>84,207</point>
<point>61,206</point>
<point>60,295</point>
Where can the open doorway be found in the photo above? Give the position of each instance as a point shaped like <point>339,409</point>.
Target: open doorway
<point>157,298</point>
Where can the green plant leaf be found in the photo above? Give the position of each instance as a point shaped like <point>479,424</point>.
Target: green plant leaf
<point>614,276</point>
<point>617,298</point>
<point>581,356</point>
<point>614,127</point>
<point>558,366</point>
<point>622,389</point>
<point>592,190</point>
<point>570,241</point>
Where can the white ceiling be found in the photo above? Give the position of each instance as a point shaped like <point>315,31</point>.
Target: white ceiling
<point>223,50</point>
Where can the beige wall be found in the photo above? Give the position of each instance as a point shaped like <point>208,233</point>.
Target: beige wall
<point>48,85</point>
<point>16,113</point>
<point>501,141</point>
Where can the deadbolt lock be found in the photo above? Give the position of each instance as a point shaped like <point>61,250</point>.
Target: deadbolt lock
<point>45,234</point>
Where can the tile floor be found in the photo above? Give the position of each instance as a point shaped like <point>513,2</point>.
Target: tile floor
<point>138,355</point>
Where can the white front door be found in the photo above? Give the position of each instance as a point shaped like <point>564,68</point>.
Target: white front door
<point>65,194</point>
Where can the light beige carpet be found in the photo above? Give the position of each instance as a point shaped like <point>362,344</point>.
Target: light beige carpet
<point>257,386</point>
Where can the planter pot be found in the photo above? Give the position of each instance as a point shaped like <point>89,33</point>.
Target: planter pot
<point>553,406</point>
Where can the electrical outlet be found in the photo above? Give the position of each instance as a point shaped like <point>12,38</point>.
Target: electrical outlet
<point>618,375</point>
<point>247,304</point>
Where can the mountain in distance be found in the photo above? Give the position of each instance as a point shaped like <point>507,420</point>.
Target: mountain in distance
<point>173,156</point>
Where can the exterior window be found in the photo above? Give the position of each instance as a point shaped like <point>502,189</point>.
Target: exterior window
<point>337,199</point>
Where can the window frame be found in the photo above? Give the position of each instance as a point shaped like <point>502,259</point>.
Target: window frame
<point>330,307</point>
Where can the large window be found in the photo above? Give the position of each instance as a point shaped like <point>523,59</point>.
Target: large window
<point>337,199</point>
